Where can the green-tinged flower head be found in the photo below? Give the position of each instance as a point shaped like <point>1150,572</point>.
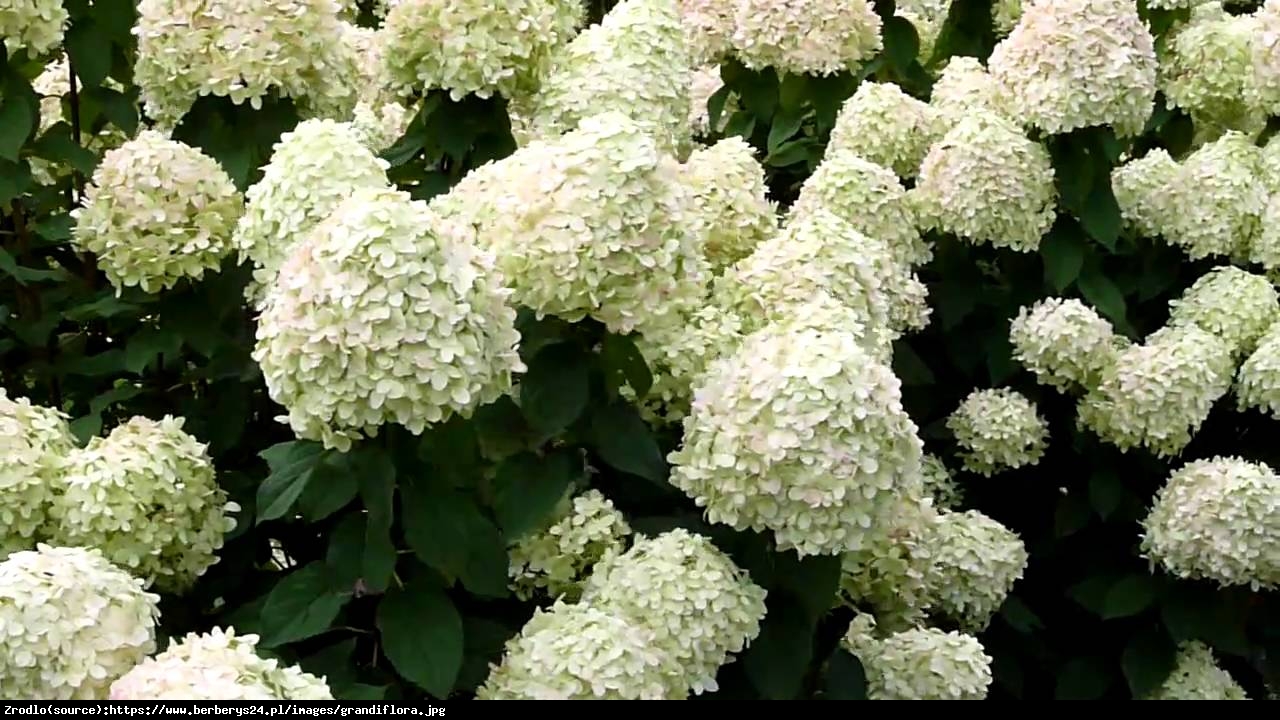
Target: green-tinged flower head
<point>1258,379</point>
<point>36,25</point>
<point>1197,676</point>
<point>886,126</point>
<point>1214,204</point>
<point>820,37</point>
<point>731,205</point>
<point>920,664</point>
<point>1064,343</point>
<point>1207,69</point>
<point>1142,188</point>
<point>1236,305</point>
<point>35,443</point>
<point>976,563</point>
<point>964,88</point>
<point>558,558</point>
<point>678,353</point>
<point>998,429</point>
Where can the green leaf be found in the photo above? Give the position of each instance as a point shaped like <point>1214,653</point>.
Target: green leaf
<point>15,178</point>
<point>422,636</point>
<point>1101,214</point>
<point>624,365</point>
<point>790,153</point>
<point>794,92</point>
<point>778,659</point>
<point>19,110</point>
<point>302,605</point>
<point>845,678</point>
<point>1071,515</point>
<point>290,464</point>
<point>625,442</point>
<point>901,42</point>
<point>1091,594</point>
<point>117,108</point>
<point>148,344</point>
<point>1082,679</point>
<point>1105,492</point>
<point>1147,661</point>
<point>1063,257</point>
<point>377,477</point>
<point>1129,596</point>
<point>1019,616</point>
<point>344,556</point>
<point>90,52</point>
<point>26,275</point>
<point>334,485</point>
<point>1103,294</point>
<point>813,581</point>
<point>447,530</point>
<point>554,392</point>
<point>528,488</point>
<point>785,124</point>
<point>910,367</point>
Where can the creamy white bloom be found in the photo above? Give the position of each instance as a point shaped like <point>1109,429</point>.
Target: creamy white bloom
<point>890,573</point>
<point>1142,187</point>
<point>998,429</point>
<point>244,50</point>
<point>1072,64</point>
<point>1196,675</point>
<point>34,444</point>
<point>380,117</point>
<point>580,652</point>
<point>883,124</point>
<point>869,198</point>
<point>147,496</point>
<point>920,664</point>
<point>678,353</point>
<point>1236,305</point>
<point>36,25</point>
<point>801,432</point>
<point>1266,55</point>
<point>705,82</point>
<point>709,26</point>
<point>963,88</point>
<point>380,126</point>
<point>976,563</point>
<point>383,315</point>
<point>218,665</point>
<point>1157,394</point>
<point>313,168</point>
<point>1258,380</point>
<point>558,558</point>
<point>927,17</point>
<point>474,46</point>
<point>1219,520</point>
<point>821,37</point>
<point>1214,204</point>
<point>988,183</point>
<point>156,212</point>
<point>1207,69</point>
<point>635,62</point>
<point>70,624</point>
<point>1265,248</point>
<point>1064,343</point>
<point>731,207</point>
<point>52,84</point>
<point>701,607</point>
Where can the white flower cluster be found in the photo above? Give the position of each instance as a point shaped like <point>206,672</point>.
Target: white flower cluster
<point>635,62</point>
<point>1266,56</point>
<point>802,432</point>
<point>559,557</point>
<point>1233,304</point>
<point>1207,69</point>
<point>731,208</point>
<point>703,84</point>
<point>34,444</point>
<point>678,354</point>
<point>988,183</point>
<point>998,429</point>
<point>927,17</point>
<point>51,85</point>
<point>975,563</point>
<point>1141,187</point>
<point>474,46</point>
<point>1064,343</point>
<point>890,574</point>
<point>965,87</point>
<point>36,25</point>
<point>945,491</point>
<point>708,26</point>
<point>157,212</point>
<point>1005,15</point>
<point>920,664</point>
<point>244,50</point>
<point>1258,380</point>
<point>1217,519</point>
<point>1197,676</point>
<point>70,624</point>
<point>382,315</point>
<point>1072,64</point>
<point>146,495</point>
<point>820,37</point>
<point>218,665</point>
<point>886,126</point>
<point>379,117</point>
<point>313,168</point>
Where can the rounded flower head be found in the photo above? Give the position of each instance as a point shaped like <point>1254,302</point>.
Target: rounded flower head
<point>474,46</point>
<point>1207,69</point>
<point>889,575</point>
<point>1142,188</point>
<point>635,62</point>
<point>819,310</point>
<point>701,607</point>
<point>218,665</point>
<point>709,27</point>
<point>244,50</point>
<point>869,198</point>
<point>822,37</point>
<point>678,354</point>
<point>593,224</point>
<point>1266,55</point>
<point>987,183</point>
<point>730,200</point>
<point>580,652</point>
<point>1197,676</point>
<point>921,664</point>
<point>885,126</point>
<point>157,211</point>
<point>559,557</point>
<point>1072,64</point>
<point>1215,202</point>
<point>34,444</point>
<point>1258,381</point>
<point>1157,394</point>
<point>976,562</point>
<point>379,316</point>
<point>72,623</point>
<point>313,168</point>
<point>1237,306</point>
<point>145,495</point>
<point>36,25</point>
<point>998,429</point>
<point>1219,520</point>
<point>963,88</point>
<point>801,432</point>
<point>1065,343</point>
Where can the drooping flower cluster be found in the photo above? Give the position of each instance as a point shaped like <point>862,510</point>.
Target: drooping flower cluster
<point>1258,380</point>
<point>157,212</point>
<point>1217,519</point>
<point>976,562</point>
<point>821,37</point>
<point>243,50</point>
<point>559,557</point>
<point>34,444</point>
<point>147,496</point>
<point>801,432</point>
<point>886,126</point>
<point>476,47</point>
<point>1233,304</point>
<point>1072,64</point>
<point>731,208</point>
<point>1196,675</point>
<point>1065,343</point>
<point>72,623</point>
<point>218,665</point>
<point>1207,69</point>
<point>920,664</point>
<point>36,25</point>
<point>998,429</point>
<point>382,315</point>
<point>313,168</point>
